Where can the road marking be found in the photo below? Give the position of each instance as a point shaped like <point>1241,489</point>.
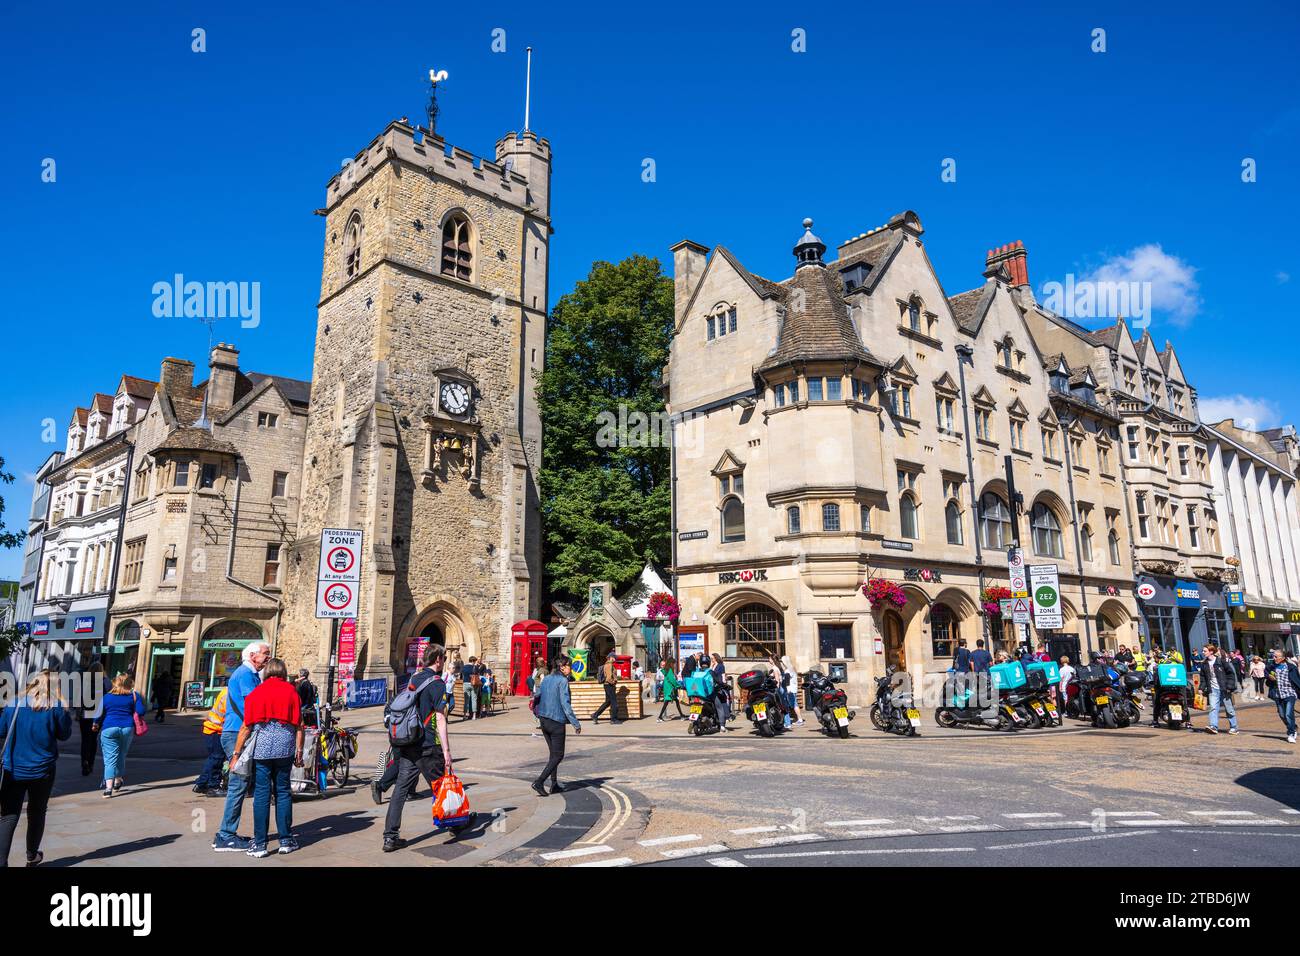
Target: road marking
<point>725,861</point>
<point>1152,823</point>
<point>1249,823</point>
<point>660,841</point>
<point>790,838</point>
<point>856,823</point>
<point>971,828</point>
<point>1131,813</point>
<point>616,861</point>
<point>580,851</point>
<point>870,834</point>
<point>1030,816</point>
<point>748,830</point>
<point>937,819</point>
<point>810,853</point>
<point>1222,813</point>
<point>622,813</point>
<point>1084,839</point>
<point>1059,824</point>
<point>694,850</point>
<point>1291,811</point>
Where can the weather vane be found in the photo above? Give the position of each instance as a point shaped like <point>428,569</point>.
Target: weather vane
<point>435,77</point>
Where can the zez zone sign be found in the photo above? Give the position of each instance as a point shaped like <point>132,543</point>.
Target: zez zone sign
<point>742,577</point>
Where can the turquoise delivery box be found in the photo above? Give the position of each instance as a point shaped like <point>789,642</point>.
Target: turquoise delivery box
<point>1051,670</point>
<point>1008,676</point>
<point>1171,675</point>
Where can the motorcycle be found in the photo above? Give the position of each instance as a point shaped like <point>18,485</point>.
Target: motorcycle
<point>1129,687</point>
<point>704,717</point>
<point>1171,695</point>
<point>894,710</point>
<point>1097,696</point>
<point>829,703</point>
<point>765,706</point>
<point>969,701</point>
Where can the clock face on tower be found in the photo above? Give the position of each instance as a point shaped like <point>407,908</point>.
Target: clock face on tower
<point>455,398</point>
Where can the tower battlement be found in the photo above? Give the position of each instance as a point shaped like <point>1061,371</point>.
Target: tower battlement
<point>416,146</point>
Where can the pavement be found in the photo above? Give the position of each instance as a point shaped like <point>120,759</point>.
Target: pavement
<point>644,792</point>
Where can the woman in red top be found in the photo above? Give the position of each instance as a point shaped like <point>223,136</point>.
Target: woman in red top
<point>273,719</point>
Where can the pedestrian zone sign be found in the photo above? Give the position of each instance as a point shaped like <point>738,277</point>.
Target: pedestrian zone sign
<point>338,575</point>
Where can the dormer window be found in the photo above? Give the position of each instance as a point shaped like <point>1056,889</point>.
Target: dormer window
<point>855,276</point>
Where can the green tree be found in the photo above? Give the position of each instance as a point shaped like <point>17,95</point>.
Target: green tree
<point>9,637</point>
<point>605,491</point>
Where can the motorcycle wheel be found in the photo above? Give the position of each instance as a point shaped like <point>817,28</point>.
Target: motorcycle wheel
<point>764,728</point>
<point>877,720</point>
<point>944,718</point>
<point>1107,717</point>
<point>1031,718</point>
<point>844,732</point>
<point>1004,722</point>
<point>777,722</point>
<point>695,729</point>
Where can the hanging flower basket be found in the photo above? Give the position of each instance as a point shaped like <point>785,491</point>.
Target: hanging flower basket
<point>990,597</point>
<point>663,607</point>
<point>881,593</point>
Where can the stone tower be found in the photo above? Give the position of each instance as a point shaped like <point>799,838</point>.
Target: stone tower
<point>423,430</point>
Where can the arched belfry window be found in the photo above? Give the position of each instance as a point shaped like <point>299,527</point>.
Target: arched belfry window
<point>457,250</point>
<point>352,246</point>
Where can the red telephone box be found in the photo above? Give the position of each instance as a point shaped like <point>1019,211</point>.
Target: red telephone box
<point>527,643</point>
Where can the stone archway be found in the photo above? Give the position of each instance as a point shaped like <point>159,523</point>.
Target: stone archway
<point>440,619</point>
<point>600,644</point>
<point>1115,626</point>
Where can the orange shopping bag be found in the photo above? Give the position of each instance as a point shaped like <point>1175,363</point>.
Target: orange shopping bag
<point>450,805</point>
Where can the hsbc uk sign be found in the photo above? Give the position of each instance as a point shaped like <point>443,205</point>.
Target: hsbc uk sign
<point>747,576</point>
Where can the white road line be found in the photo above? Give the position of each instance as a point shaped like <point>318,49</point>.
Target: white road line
<point>725,861</point>
<point>937,819</point>
<point>616,861</point>
<point>580,851</point>
<point>694,850</point>
<point>790,838</point>
<point>748,830</point>
<point>810,853</point>
<point>871,834</point>
<point>1221,813</point>
<point>971,828</point>
<point>1059,824</point>
<point>1249,823</point>
<point>1131,813</point>
<point>856,823</point>
<point>1083,839</point>
<point>1031,816</point>
<point>1291,811</point>
<point>1152,823</point>
<point>660,841</point>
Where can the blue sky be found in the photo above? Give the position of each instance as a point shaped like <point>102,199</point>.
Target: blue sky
<point>210,164</point>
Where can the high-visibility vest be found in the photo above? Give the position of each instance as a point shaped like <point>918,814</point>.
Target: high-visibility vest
<point>1139,661</point>
<point>212,723</point>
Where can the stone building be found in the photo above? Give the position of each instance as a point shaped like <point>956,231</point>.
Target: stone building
<point>1164,451</point>
<point>423,430</point>
<point>34,543</point>
<point>80,539</point>
<point>852,423</point>
<point>1255,487</point>
<point>212,507</point>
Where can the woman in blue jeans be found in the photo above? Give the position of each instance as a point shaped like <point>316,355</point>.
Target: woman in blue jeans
<point>116,727</point>
<point>273,724</point>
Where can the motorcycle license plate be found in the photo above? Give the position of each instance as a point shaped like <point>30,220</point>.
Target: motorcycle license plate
<point>1101,701</point>
<point>1051,708</point>
<point>760,711</point>
<point>1175,712</point>
<point>697,709</point>
<point>1038,708</point>
<point>913,714</point>
<point>841,713</point>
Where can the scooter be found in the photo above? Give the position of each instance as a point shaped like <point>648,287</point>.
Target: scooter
<point>1129,687</point>
<point>765,706</point>
<point>830,704</point>
<point>1097,696</point>
<point>704,717</point>
<point>969,701</point>
<point>1171,696</point>
<point>894,710</point>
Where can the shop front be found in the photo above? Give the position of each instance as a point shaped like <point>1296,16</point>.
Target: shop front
<point>220,653</point>
<point>1259,629</point>
<point>65,640</point>
<point>1184,615</point>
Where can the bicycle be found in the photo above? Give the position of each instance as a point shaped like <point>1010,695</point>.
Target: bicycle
<point>336,746</point>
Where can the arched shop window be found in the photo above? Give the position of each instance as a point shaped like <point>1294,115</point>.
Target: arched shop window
<point>755,632</point>
<point>219,654</point>
<point>943,630</point>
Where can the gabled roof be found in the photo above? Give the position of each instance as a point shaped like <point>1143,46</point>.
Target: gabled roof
<point>763,288</point>
<point>728,462</point>
<point>970,308</point>
<point>194,439</point>
<point>79,416</point>
<point>102,403</point>
<point>816,323</point>
<point>137,387</point>
<point>295,391</point>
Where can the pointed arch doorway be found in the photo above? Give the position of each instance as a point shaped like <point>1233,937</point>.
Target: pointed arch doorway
<point>891,626</point>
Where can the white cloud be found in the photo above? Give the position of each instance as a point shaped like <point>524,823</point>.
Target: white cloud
<point>1247,412</point>
<point>1172,281</point>
<point>1283,278</point>
<point>29,477</point>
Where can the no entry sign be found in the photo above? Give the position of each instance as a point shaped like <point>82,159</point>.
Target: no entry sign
<point>338,576</point>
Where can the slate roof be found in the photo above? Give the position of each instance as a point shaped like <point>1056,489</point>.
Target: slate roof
<point>194,439</point>
<point>139,387</point>
<point>968,308</point>
<point>295,390</point>
<point>822,328</point>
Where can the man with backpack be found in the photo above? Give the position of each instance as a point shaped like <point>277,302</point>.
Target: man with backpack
<point>608,680</point>
<point>417,734</point>
<point>471,677</point>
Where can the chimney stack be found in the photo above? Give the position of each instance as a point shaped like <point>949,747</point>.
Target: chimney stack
<point>224,372</point>
<point>177,378</point>
<point>688,267</point>
<point>1013,254</point>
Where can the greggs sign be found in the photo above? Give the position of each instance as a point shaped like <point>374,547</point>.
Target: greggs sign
<point>742,577</point>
